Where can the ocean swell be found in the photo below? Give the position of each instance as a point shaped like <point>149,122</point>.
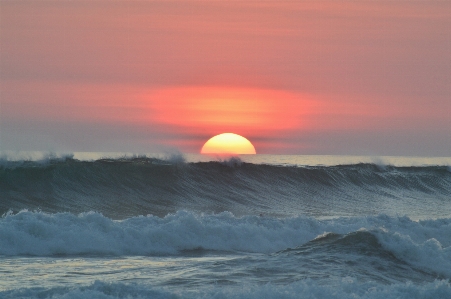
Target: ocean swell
<point>121,188</point>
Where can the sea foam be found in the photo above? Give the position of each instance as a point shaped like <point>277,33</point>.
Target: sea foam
<point>424,244</point>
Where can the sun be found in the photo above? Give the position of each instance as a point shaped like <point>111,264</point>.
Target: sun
<point>228,144</point>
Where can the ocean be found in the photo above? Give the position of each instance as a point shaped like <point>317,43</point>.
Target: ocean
<point>117,225</point>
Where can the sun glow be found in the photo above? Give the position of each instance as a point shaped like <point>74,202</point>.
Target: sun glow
<point>228,143</point>
<point>199,111</point>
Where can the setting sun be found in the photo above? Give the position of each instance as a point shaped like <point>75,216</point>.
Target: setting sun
<point>228,143</point>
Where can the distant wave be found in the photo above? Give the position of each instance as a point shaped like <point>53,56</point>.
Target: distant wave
<point>424,244</point>
<point>130,186</point>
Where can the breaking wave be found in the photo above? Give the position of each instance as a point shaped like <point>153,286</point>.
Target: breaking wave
<point>423,244</point>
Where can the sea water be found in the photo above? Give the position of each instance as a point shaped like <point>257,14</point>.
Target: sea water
<point>115,225</point>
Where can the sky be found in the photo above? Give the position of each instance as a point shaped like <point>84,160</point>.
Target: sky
<point>294,77</point>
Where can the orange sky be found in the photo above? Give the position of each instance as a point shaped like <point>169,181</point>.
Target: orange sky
<point>299,77</point>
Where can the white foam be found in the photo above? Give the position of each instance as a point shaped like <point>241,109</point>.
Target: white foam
<point>426,244</point>
<point>30,233</point>
<point>12,158</point>
<point>428,255</point>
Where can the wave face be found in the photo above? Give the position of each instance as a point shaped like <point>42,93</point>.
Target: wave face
<point>121,188</point>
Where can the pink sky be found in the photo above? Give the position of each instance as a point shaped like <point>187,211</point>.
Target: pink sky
<point>313,77</point>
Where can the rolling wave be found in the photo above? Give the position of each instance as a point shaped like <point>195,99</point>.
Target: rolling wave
<point>121,188</point>
<point>393,242</point>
